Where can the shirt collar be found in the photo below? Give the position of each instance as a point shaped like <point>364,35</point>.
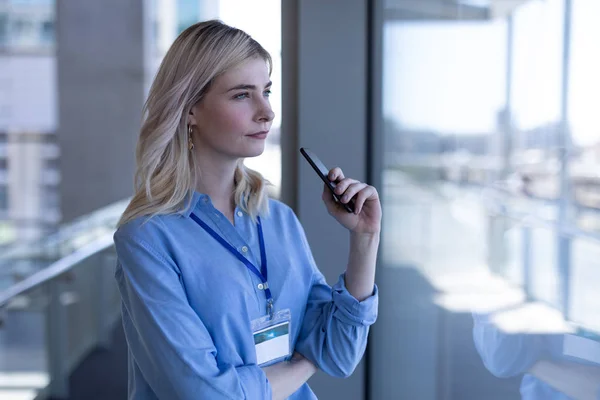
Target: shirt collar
<point>197,199</point>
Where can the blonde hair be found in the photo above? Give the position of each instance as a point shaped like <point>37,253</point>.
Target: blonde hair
<point>166,170</point>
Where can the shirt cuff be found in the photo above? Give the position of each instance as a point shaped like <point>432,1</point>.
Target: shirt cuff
<point>482,318</point>
<point>352,311</point>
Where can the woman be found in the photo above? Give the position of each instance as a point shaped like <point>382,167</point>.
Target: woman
<point>221,298</point>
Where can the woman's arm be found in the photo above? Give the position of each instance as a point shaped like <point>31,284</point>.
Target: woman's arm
<point>170,344</point>
<point>360,273</point>
<point>575,380</point>
<point>336,324</point>
<point>286,377</point>
<point>364,226</point>
<point>337,319</point>
<point>503,354</point>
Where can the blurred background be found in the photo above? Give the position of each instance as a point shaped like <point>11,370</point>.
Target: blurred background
<point>477,120</point>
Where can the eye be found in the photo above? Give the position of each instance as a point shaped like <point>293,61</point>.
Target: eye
<point>267,92</point>
<point>241,96</point>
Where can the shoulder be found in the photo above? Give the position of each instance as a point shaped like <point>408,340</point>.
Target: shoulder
<point>285,228</point>
<point>149,245</point>
<point>284,220</point>
<point>279,208</point>
<point>153,231</point>
<point>281,213</point>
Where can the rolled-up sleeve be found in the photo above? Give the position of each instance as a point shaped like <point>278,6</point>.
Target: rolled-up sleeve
<point>167,339</point>
<point>336,325</point>
<point>506,355</point>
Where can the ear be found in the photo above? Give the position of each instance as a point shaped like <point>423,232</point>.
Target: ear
<point>191,120</point>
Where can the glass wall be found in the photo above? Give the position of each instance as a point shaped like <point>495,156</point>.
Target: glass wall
<point>263,23</point>
<point>584,163</point>
<point>29,154</point>
<point>26,24</point>
<point>28,149</point>
<point>33,234</point>
<point>490,192</point>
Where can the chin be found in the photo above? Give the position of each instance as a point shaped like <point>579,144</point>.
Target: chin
<point>254,152</point>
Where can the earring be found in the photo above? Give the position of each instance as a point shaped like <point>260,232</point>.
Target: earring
<point>190,143</point>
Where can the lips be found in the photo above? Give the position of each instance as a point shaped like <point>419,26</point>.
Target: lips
<point>259,135</point>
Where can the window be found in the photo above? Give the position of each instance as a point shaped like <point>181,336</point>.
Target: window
<point>47,32</point>
<point>28,25</point>
<point>3,198</point>
<point>53,164</point>
<point>584,163</point>
<point>188,13</point>
<point>51,198</point>
<point>3,28</point>
<point>491,193</point>
<point>246,16</point>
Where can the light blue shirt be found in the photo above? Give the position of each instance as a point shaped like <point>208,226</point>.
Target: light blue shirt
<point>187,304</point>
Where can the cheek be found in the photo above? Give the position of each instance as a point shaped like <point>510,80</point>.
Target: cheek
<point>233,119</point>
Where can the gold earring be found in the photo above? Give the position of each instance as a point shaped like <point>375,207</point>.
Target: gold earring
<point>190,143</point>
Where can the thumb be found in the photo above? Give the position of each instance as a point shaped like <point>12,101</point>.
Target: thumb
<point>328,199</point>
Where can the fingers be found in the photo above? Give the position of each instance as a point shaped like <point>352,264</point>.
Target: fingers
<point>330,202</point>
<point>336,174</point>
<point>327,197</point>
<point>351,190</point>
<point>348,189</point>
<point>365,194</point>
<point>343,185</point>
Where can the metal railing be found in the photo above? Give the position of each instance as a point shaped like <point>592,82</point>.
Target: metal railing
<point>528,221</point>
<point>68,293</point>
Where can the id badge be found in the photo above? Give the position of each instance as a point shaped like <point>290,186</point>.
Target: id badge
<point>272,338</point>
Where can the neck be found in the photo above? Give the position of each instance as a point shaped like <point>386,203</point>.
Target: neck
<point>216,179</point>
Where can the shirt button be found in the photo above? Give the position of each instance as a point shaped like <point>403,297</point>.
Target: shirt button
<point>244,249</point>
<point>206,199</point>
<point>260,286</point>
<point>240,214</point>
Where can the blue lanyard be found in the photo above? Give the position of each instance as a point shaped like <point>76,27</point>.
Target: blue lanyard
<point>262,274</point>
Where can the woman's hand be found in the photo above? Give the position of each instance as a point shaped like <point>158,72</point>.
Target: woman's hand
<point>287,376</point>
<point>367,207</point>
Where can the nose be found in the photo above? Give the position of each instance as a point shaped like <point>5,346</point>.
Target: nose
<point>265,112</point>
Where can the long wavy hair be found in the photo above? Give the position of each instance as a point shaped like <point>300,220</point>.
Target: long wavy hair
<point>166,170</point>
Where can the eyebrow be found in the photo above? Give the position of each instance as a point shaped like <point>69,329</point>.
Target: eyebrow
<point>246,86</point>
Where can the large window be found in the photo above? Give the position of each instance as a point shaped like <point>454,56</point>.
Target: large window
<point>27,113</point>
<point>3,198</point>
<point>584,163</point>
<point>27,25</point>
<point>263,24</point>
<point>490,186</point>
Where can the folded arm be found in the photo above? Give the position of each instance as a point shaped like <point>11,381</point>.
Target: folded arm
<point>167,339</point>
